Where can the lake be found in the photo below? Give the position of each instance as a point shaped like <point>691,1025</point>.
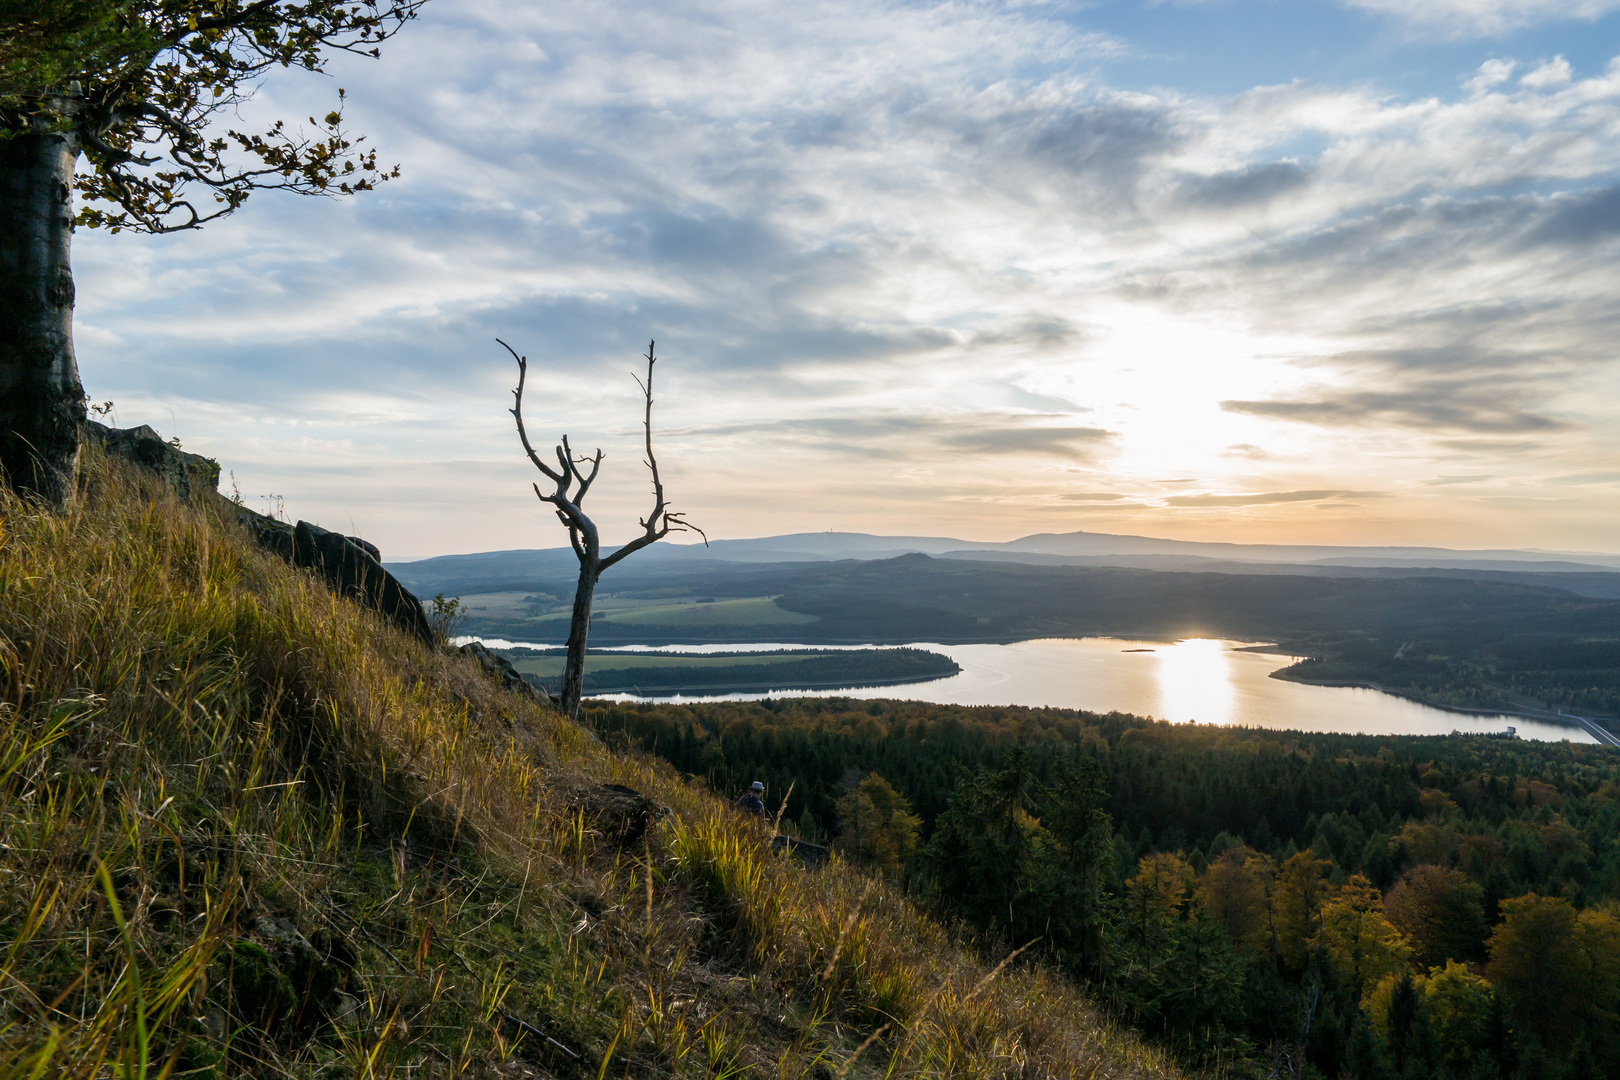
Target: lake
<point>1198,679</point>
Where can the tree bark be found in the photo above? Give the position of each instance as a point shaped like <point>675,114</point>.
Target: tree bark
<point>41,399</point>
<point>579,628</point>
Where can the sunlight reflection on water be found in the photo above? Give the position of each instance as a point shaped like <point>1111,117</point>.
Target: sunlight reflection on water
<point>1195,682</point>
<point>1202,679</point>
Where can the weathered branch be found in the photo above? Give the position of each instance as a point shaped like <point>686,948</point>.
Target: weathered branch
<point>661,522</point>
<point>517,411</point>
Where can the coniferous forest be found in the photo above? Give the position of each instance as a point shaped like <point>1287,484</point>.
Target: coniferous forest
<point>1268,903</point>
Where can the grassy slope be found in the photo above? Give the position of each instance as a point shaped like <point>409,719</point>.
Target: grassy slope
<point>247,829</point>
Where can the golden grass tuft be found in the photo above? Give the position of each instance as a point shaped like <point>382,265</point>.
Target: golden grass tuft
<point>246,828</point>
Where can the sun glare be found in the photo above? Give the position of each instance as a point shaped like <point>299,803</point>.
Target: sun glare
<point>1195,682</point>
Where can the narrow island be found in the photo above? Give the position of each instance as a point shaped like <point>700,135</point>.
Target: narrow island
<point>643,673</point>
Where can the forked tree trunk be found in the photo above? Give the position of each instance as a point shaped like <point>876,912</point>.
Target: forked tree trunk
<point>41,399</point>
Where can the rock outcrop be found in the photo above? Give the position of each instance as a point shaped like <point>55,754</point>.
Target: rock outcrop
<point>621,814</point>
<point>501,670</point>
<point>351,570</point>
<point>349,565</point>
<point>188,474</point>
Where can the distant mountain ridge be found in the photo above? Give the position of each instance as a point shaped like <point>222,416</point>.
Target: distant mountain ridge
<point>1080,548</point>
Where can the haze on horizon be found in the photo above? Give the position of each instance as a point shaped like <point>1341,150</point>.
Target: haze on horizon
<point>1257,271</point>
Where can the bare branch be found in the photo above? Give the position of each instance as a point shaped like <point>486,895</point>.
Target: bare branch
<point>517,412</point>
<point>661,522</point>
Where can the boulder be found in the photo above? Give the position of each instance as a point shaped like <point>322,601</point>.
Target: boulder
<point>501,670</point>
<point>352,572</point>
<point>621,814</point>
<point>348,568</point>
<point>188,474</point>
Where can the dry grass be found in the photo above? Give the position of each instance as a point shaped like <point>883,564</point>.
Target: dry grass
<point>245,828</point>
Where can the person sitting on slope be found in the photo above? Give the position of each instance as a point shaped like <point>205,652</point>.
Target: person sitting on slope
<point>753,800</point>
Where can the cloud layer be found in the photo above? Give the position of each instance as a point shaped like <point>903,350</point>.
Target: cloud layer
<point>911,268</point>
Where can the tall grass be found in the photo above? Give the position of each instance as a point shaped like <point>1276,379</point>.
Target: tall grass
<point>246,828</point>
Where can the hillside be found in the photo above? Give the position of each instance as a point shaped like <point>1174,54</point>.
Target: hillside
<point>248,829</point>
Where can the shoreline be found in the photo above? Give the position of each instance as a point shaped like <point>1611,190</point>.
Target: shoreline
<point>766,688</point>
<point>1581,723</point>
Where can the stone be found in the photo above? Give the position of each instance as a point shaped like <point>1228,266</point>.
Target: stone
<point>501,670</point>
<point>349,569</point>
<point>622,814</point>
<point>352,572</point>
<point>188,474</point>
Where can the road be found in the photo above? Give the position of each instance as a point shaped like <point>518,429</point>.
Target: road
<point>1601,734</point>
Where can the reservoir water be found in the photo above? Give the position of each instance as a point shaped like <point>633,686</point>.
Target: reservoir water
<point>1198,679</point>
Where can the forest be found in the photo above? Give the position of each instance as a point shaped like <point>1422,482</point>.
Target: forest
<point>1268,903</point>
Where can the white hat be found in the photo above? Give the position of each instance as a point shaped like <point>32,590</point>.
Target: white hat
<point>756,786</point>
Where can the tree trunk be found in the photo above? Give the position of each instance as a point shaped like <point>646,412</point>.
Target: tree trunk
<point>41,399</point>
<point>579,628</point>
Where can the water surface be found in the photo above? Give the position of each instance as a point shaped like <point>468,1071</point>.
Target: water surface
<point>1198,679</point>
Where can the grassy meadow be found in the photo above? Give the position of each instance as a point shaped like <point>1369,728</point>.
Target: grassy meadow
<point>247,829</point>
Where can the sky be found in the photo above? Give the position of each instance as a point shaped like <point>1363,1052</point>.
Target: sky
<point>1272,271</point>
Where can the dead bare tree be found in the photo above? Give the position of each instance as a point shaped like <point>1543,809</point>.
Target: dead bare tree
<point>571,487</point>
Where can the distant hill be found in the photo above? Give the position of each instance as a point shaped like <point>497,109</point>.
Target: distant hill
<point>1583,573</point>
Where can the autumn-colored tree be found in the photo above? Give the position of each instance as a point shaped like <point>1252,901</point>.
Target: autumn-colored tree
<point>147,94</point>
<point>1560,838</point>
<point>1376,1000</point>
<point>1160,887</point>
<point>1406,1027</point>
<point>1427,841</point>
<point>1459,1006</point>
<point>876,825</point>
<point>1441,913</point>
<point>1298,893</point>
<point>1558,968</point>
<point>1360,942</point>
<point>1234,889</point>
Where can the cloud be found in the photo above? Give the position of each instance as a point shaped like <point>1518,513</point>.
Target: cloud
<point>1091,496</point>
<point>1446,481</point>
<point>1579,220</point>
<point>1484,18</point>
<point>1580,479</point>
<point>870,233</point>
<point>1058,442</point>
<point>921,436</point>
<point>1263,498</point>
<point>1248,186</point>
<point>1438,405</point>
